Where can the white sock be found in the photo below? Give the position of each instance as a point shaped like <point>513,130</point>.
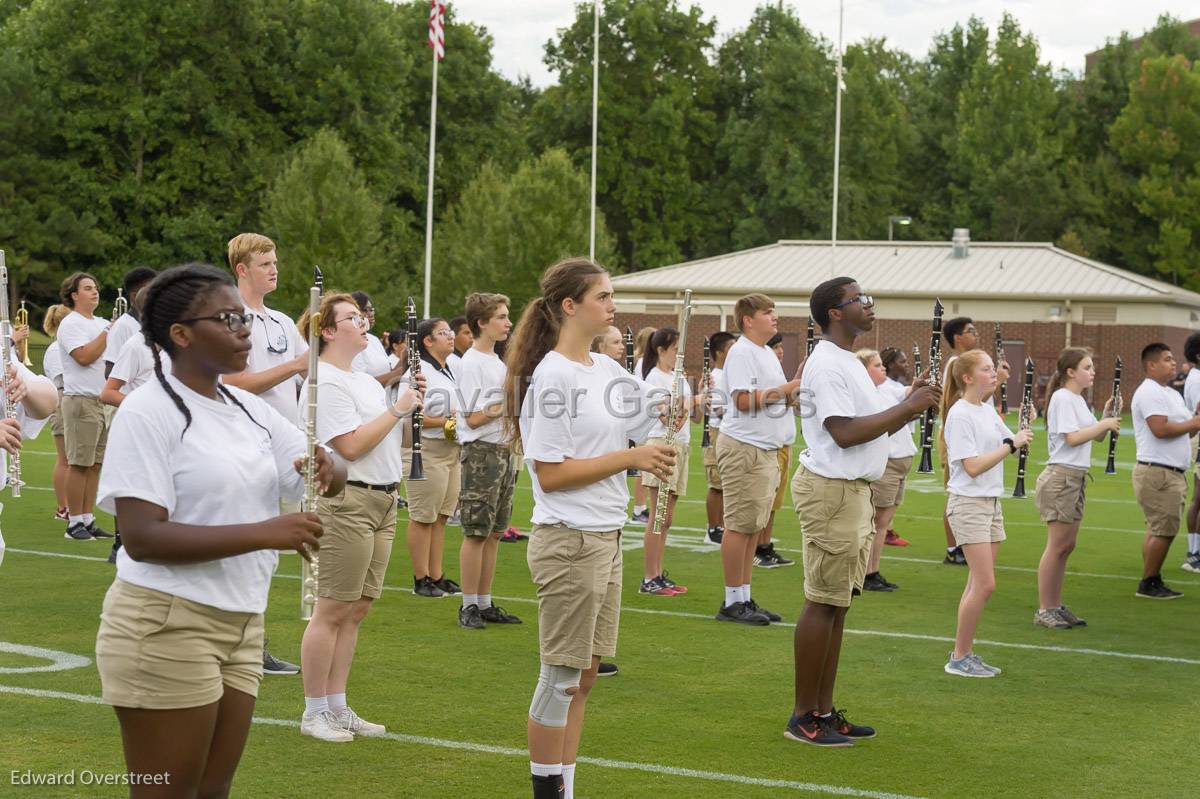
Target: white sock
<point>312,704</point>
<point>88,518</point>
<point>336,702</point>
<point>745,589</point>
<point>76,520</point>
<point>485,601</point>
<point>950,550</point>
<point>569,781</point>
<point>733,595</point>
<point>1193,542</point>
<point>638,509</point>
<point>545,769</point>
<point>470,599</point>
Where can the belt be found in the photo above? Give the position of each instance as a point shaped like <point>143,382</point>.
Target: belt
<point>1164,466</point>
<point>387,488</point>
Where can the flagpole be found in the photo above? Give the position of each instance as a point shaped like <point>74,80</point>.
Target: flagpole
<point>429,188</point>
<point>837,143</point>
<point>595,119</point>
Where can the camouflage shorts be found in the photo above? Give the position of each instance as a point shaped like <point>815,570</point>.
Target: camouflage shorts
<point>489,473</point>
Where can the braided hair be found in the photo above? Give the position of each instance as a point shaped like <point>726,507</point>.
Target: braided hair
<point>169,298</point>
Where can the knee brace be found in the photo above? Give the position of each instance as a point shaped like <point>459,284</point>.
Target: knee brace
<point>550,699</point>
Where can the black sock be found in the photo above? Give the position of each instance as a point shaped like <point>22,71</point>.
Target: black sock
<point>550,787</point>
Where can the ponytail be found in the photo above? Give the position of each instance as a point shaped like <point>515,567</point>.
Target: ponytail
<point>662,339</point>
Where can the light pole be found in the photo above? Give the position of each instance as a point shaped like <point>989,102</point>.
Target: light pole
<point>897,220</point>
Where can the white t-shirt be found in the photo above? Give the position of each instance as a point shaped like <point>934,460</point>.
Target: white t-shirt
<point>135,364</point>
<point>30,428</point>
<point>78,331</point>
<point>224,470</point>
<point>835,383</point>
<point>573,410</point>
<point>750,367</point>
<point>441,397</point>
<point>1152,399</point>
<point>660,383</point>
<point>1191,389</point>
<point>718,397</point>
<point>480,378</point>
<point>125,328</point>
<point>393,360</point>
<point>345,402</point>
<point>900,443</point>
<point>52,364</point>
<point>974,430</point>
<point>1068,412</point>
<point>452,361</point>
<point>274,339</point>
<point>373,360</point>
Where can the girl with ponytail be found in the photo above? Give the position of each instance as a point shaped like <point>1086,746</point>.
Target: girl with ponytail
<point>194,473</point>
<point>975,442</point>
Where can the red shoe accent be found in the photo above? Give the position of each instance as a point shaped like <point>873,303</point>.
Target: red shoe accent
<point>893,540</point>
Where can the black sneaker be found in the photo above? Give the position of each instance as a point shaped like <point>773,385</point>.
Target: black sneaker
<point>850,730</point>
<point>715,535</point>
<point>816,730</point>
<point>655,586</point>
<point>763,558</point>
<point>423,586</point>
<point>548,787</point>
<point>875,582</point>
<point>447,585</point>
<point>955,557</point>
<point>607,669</point>
<point>1155,588</point>
<point>469,618</point>
<point>273,665</point>
<point>98,532</point>
<point>743,613</point>
<point>496,615</point>
<point>641,518</point>
<point>1192,563</point>
<point>78,532</point>
<point>780,560</point>
<point>772,617</point>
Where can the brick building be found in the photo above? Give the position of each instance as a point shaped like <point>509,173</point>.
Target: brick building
<point>1093,58</point>
<point>1043,297</point>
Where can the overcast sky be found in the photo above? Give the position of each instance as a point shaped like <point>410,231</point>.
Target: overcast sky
<point>1066,29</point>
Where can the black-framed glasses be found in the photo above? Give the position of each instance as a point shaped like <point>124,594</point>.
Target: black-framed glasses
<point>234,320</point>
<point>865,299</point>
<point>277,344</point>
<point>358,320</point>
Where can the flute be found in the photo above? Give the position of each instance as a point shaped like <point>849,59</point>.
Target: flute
<point>629,368</point>
<point>1026,417</point>
<point>1111,466</point>
<point>416,468</point>
<point>310,566</point>
<point>1000,360</point>
<point>664,485</point>
<point>706,438</point>
<point>935,378</point>
<point>7,355</point>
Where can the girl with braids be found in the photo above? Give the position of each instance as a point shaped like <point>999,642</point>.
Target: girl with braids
<point>1070,430</point>
<point>571,413</point>
<point>975,442</point>
<point>195,473</point>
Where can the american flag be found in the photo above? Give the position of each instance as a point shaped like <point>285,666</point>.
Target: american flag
<point>437,27</point>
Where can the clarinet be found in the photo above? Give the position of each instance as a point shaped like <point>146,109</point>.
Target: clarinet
<point>916,358</point>
<point>664,486</point>
<point>935,378</point>
<point>810,338</point>
<point>7,358</point>
<point>629,368</point>
<point>416,468</point>
<point>1000,360</point>
<point>309,566</point>
<point>706,438</point>
<point>1111,466</point>
<point>1026,416</point>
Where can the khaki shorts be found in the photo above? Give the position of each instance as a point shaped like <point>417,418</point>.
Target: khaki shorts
<point>679,480</point>
<point>56,419</point>
<point>161,652</point>
<point>437,494</point>
<point>711,473</point>
<point>888,491</point>
<point>360,526</point>
<point>1059,493</point>
<point>1161,493</point>
<point>785,461</point>
<point>578,579</point>
<point>975,520</point>
<point>750,477</point>
<point>489,473</point>
<point>85,426</point>
<point>837,522</point>
<point>1195,453</point>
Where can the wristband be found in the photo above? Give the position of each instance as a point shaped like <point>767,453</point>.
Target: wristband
<point>1011,445</point>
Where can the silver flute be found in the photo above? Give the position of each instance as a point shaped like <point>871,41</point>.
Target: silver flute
<point>664,487</point>
<point>310,567</point>
<point>7,358</point>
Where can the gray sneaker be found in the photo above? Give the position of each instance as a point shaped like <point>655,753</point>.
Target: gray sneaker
<point>979,660</point>
<point>1070,618</point>
<point>967,666</point>
<point>1051,618</point>
<point>470,619</point>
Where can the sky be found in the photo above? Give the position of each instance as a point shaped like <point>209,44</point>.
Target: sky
<point>1066,29</point>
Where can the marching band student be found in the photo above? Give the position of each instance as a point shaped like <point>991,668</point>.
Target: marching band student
<point>133,367</point>
<point>52,368</point>
<point>1162,424</point>
<point>374,359</point>
<point>976,442</point>
<point>82,337</point>
<point>489,466</point>
<point>640,342</point>
<point>179,649</point>
<point>610,343</point>
<point>714,501</point>
<point>397,347</point>
<point>572,414</point>
<point>758,423</point>
<point>1070,431</point>
<point>1191,399</point>
<point>888,491</point>
<point>34,399</point>
<point>846,436</point>
<point>895,361</point>
<point>765,556</point>
<point>356,419</point>
<point>462,341</point>
<point>129,324</point>
<point>432,501</point>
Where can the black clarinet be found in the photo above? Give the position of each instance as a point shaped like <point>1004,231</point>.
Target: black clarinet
<point>916,358</point>
<point>1000,360</point>
<point>1111,466</point>
<point>935,378</point>
<point>416,469</point>
<point>629,368</point>
<point>706,438</point>
<point>1026,419</point>
<point>811,338</point>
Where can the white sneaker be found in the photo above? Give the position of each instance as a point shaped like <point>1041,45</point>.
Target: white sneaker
<point>324,726</point>
<point>350,721</point>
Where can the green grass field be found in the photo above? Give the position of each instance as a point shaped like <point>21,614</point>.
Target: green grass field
<point>699,708</point>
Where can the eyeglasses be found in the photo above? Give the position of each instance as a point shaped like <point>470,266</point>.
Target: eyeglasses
<point>446,333</point>
<point>865,299</point>
<point>279,343</point>
<point>358,320</point>
<point>236,322</point>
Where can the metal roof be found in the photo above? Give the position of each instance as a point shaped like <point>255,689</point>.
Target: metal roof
<point>910,269</point>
